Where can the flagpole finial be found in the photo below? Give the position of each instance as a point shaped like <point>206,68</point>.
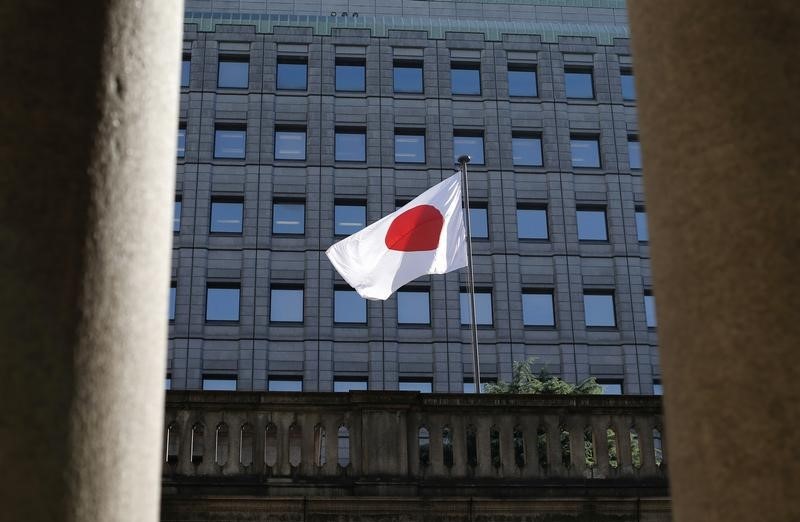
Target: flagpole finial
<point>464,159</point>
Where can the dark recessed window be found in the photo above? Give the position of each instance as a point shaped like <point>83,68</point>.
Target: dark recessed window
<point>349,307</point>
<point>413,307</point>
<point>599,309</point>
<point>592,224</point>
<point>407,76</point>
<point>233,72</point>
<point>578,83</point>
<point>351,145</point>
<point>521,80</point>
<point>483,307</point>
<point>478,222</point>
<point>290,143</point>
<point>610,386</point>
<point>181,150</point>
<point>229,143</point>
<point>650,309</point>
<point>168,382</point>
<point>292,73</point>
<point>349,218</point>
<point>173,290</point>
<point>222,302</point>
<point>226,216</point>
<point>288,217</point>
<point>176,216</point>
<point>285,384</point>
<point>468,142</point>
<point>628,87</point>
<point>537,308</point>
<point>286,305</point>
<point>642,234</point>
<point>350,74</point>
<point>585,152</point>
<point>186,69</point>
<point>634,153</point>
<point>526,149</point>
<point>219,382</point>
<point>346,384</point>
<point>658,388</point>
<point>532,223</point>
<point>417,385</point>
<point>409,146</point>
<point>465,78</point>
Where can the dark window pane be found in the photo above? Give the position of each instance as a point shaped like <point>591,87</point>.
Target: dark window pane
<point>465,79</point>
<point>521,81</point>
<point>407,77</point>
<point>650,310</point>
<point>585,152</point>
<point>176,217</point>
<point>611,388</point>
<point>467,144</point>
<point>290,144</point>
<point>599,309</point>
<point>628,87</point>
<point>634,154</point>
<point>286,305</point>
<point>413,307</point>
<point>351,146</point>
<point>219,383</point>
<point>349,76</point>
<point>226,216</point>
<point>186,68</point>
<point>172,293</point>
<point>483,308</point>
<point>417,386</point>
<point>347,385</point>
<point>349,219</point>
<point>642,234</point>
<point>288,218</point>
<point>181,152</point>
<point>478,223</point>
<point>592,225</point>
<point>229,143</point>
<point>222,304</point>
<point>285,385</point>
<point>233,74</point>
<point>658,388</point>
<point>532,223</point>
<point>526,151</point>
<point>168,383</point>
<point>292,75</point>
<point>537,309</point>
<point>349,307</point>
<point>578,83</point>
<point>409,148</point>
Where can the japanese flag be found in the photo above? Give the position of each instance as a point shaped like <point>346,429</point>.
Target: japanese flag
<point>426,236</point>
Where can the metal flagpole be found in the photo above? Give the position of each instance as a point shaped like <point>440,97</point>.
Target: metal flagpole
<point>476,364</point>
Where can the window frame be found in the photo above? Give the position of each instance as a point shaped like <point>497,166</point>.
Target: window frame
<point>225,200</point>
<point>279,287</point>
<point>219,377</point>
<point>594,138</point>
<point>349,131</point>
<point>470,133</point>
<point>465,65</point>
<point>464,293</point>
<point>343,288</point>
<point>415,380</point>
<point>626,72</point>
<point>527,135</point>
<point>284,379</point>
<point>579,69</point>
<point>215,285</point>
<point>414,290</point>
<point>408,64</point>
<point>605,293</point>
<point>579,209</point>
<point>417,133</point>
<point>289,129</point>
<point>241,128</point>
<point>634,139</point>
<point>534,208</point>
<point>350,379</point>
<point>342,61</point>
<point>288,201</point>
<point>350,204</point>
<point>523,68</point>
<point>228,59</point>
<point>540,291</point>
<point>290,60</point>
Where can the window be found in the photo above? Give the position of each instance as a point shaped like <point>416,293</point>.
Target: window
<point>181,149</point>
<point>610,386</point>
<point>407,76</point>
<point>532,223</point>
<point>285,384</point>
<point>226,216</point>
<point>351,145</point>
<point>642,234</point>
<point>578,82</point>
<point>469,385</point>
<point>186,69</point>
<point>521,80</point>
<point>483,307</point>
<point>417,385</point>
<point>465,78</point>
<point>168,382</point>
<point>468,142</point>
<point>599,308</point>
<point>628,87</point>
<point>219,382</point>
<point>409,146</point>
<point>634,153</point>
<point>650,309</point>
<point>585,152</point>
<point>537,308</point>
<point>413,307</point>
<point>222,302</point>
<point>176,215</point>
<point>343,446</point>
<point>478,222</point>
<point>233,72</point>
<point>229,143</point>
<point>173,288</point>
<point>349,218</point>
<point>286,305</point>
<point>288,218</point>
<point>592,224</point>
<point>658,388</point>
<point>526,149</point>
<point>290,143</point>
<point>292,73</point>
<point>349,307</point>
<point>346,384</point>
<point>350,74</point>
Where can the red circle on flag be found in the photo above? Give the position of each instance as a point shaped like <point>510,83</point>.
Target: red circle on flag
<point>415,230</point>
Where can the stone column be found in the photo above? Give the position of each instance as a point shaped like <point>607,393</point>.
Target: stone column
<point>719,99</point>
<point>89,111</point>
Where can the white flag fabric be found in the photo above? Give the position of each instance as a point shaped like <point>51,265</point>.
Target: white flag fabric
<point>425,236</point>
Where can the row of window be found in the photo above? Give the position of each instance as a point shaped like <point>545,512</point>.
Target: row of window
<point>350,144</point>
<point>233,72</point>
<point>413,306</point>
<point>288,217</point>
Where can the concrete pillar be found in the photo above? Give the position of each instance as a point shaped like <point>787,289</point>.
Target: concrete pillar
<point>89,110</point>
<point>718,86</point>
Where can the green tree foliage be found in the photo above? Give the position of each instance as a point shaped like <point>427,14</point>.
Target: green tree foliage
<point>524,380</point>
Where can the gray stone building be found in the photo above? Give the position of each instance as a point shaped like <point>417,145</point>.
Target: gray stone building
<point>303,120</point>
